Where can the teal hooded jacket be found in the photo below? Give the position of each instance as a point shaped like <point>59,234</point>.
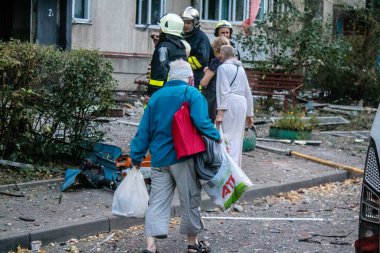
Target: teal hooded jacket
<point>155,129</point>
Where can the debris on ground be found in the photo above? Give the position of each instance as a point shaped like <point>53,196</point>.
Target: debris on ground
<point>16,164</point>
<point>334,202</point>
<point>350,134</point>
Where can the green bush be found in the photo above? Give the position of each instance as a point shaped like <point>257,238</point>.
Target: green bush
<point>350,74</point>
<point>295,120</point>
<point>344,67</point>
<point>48,98</point>
<point>282,40</point>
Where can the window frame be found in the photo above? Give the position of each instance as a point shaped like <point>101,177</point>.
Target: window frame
<point>268,6</point>
<point>87,10</point>
<point>203,8</point>
<point>262,10</point>
<point>149,24</point>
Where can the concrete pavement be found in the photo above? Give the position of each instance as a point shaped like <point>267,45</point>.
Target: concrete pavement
<point>88,211</point>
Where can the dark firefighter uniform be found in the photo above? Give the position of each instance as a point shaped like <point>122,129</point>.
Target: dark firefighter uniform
<point>168,49</point>
<point>199,54</point>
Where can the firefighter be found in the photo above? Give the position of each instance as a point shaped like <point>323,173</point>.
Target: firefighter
<point>199,42</point>
<point>224,28</point>
<point>155,36</point>
<point>169,48</point>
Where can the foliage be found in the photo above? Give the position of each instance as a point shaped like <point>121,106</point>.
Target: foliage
<point>352,74</point>
<point>298,41</point>
<point>282,40</point>
<point>295,120</point>
<point>48,98</point>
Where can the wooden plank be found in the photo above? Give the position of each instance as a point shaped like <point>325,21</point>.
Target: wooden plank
<point>270,84</point>
<point>272,87</point>
<point>284,84</point>
<point>276,86</point>
<point>279,81</point>
<point>263,93</point>
<point>276,74</point>
<point>278,78</point>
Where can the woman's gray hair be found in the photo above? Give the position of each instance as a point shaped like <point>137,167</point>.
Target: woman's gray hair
<point>180,70</point>
<point>228,51</point>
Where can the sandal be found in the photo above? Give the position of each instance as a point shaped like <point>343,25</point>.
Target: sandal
<point>201,247</point>
<point>148,251</point>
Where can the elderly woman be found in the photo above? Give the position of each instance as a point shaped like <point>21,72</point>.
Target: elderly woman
<point>208,81</point>
<point>234,102</point>
<point>168,172</point>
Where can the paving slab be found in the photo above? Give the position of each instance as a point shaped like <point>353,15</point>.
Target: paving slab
<point>56,216</point>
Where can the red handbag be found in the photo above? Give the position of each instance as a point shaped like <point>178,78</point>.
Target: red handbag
<point>187,140</point>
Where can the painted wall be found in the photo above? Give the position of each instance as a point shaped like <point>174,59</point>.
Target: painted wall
<point>353,3</point>
<point>328,8</point>
<point>112,31</point>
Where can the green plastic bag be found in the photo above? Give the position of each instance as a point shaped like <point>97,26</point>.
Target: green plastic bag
<point>249,141</point>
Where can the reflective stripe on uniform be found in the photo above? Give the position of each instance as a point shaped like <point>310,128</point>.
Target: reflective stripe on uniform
<point>194,62</point>
<point>156,83</point>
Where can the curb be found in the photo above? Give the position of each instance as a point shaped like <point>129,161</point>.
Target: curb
<point>66,232</point>
<point>108,223</point>
<point>32,183</point>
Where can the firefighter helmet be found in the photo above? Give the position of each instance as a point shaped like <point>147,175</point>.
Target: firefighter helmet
<point>191,13</point>
<point>171,23</point>
<point>222,24</point>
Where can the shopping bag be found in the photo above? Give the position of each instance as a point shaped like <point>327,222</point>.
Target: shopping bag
<point>228,185</point>
<point>249,141</point>
<point>131,196</point>
<point>186,138</point>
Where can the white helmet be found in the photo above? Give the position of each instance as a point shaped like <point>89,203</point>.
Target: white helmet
<point>191,13</point>
<point>222,24</point>
<point>172,24</point>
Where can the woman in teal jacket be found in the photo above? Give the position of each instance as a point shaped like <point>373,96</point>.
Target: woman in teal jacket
<point>155,133</point>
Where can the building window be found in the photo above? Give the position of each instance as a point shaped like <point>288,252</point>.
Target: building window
<point>81,10</point>
<point>231,10</point>
<point>262,10</point>
<point>348,23</point>
<point>149,12</point>
<point>275,6</point>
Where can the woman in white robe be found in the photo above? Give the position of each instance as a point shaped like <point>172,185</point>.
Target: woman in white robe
<point>234,102</point>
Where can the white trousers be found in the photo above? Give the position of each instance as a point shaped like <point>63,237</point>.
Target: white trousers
<point>233,126</point>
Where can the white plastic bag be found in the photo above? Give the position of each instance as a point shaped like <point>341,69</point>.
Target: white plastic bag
<point>229,184</point>
<point>131,196</point>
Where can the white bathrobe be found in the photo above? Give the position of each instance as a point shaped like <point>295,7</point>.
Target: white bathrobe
<point>237,102</point>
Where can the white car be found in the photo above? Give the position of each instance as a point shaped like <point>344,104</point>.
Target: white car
<point>369,219</point>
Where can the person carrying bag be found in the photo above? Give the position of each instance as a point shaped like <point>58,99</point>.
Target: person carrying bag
<point>155,132</point>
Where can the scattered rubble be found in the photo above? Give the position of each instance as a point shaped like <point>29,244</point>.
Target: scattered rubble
<point>259,228</point>
<point>119,132</point>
